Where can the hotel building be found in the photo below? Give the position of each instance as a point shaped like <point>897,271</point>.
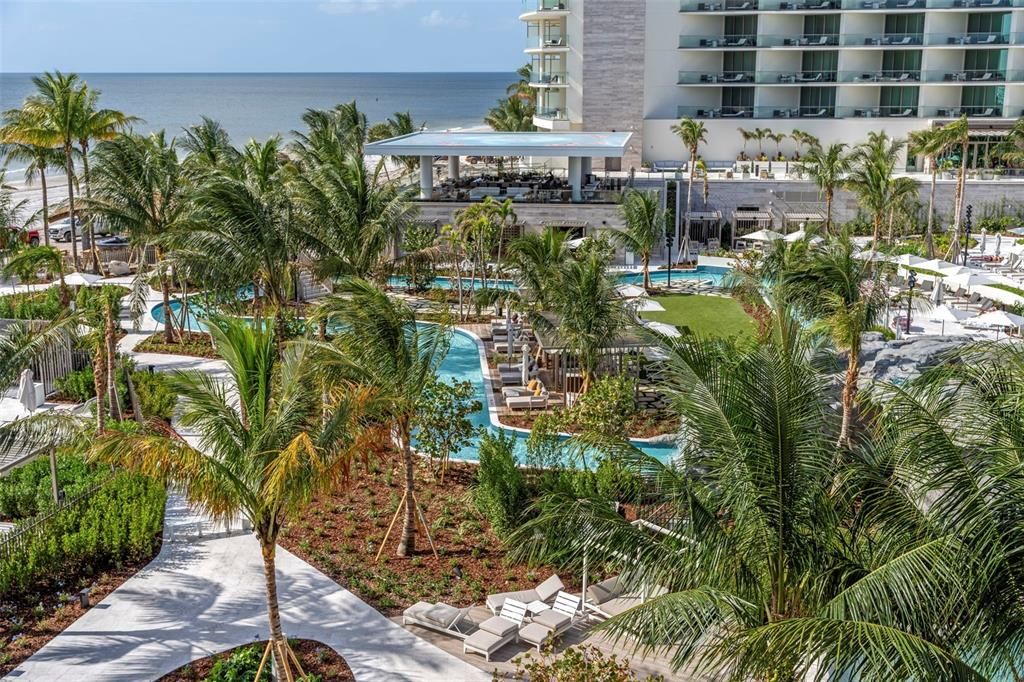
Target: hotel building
<point>835,69</point>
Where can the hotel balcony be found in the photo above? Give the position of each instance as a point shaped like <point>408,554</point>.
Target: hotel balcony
<point>547,43</point>
<point>994,111</point>
<point>973,76</point>
<point>892,77</point>
<point>538,10</point>
<point>819,6</point>
<point>550,79</point>
<point>735,42</point>
<point>877,112</point>
<point>715,78</point>
<point>712,111</point>
<point>551,118</point>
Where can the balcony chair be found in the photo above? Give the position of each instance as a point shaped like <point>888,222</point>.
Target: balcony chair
<point>906,113</point>
<point>820,113</point>
<point>805,78</point>
<point>989,112</point>
<point>733,77</point>
<point>739,42</point>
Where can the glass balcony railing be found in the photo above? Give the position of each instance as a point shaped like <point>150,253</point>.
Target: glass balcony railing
<point>719,6</point>
<point>806,40</point>
<point>993,111</point>
<point>552,113</point>
<point>795,112</point>
<point>712,111</point>
<point>718,41</point>
<point>719,78</point>
<point>805,5</point>
<point>972,76</point>
<point>825,5</point>
<point>548,78</point>
<point>886,40</point>
<point>969,38</point>
<point>545,5</point>
<point>535,42</point>
<point>796,77</point>
<point>906,111</point>
<point>883,77</point>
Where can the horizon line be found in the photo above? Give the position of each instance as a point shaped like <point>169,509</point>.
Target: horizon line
<point>243,73</point>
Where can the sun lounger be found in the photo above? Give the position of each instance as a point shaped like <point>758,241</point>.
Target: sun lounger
<point>516,376</point>
<point>544,592</point>
<point>440,617</point>
<point>553,621</point>
<point>609,598</point>
<point>528,402</point>
<point>496,631</point>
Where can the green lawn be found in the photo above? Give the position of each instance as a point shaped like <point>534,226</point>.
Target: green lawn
<point>704,315</point>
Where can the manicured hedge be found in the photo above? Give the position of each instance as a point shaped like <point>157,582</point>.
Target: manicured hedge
<point>37,305</point>
<point>116,525</point>
<point>27,491</point>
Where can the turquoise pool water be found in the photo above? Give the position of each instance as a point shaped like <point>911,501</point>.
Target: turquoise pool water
<point>463,364</point>
<point>658,277</point>
<point>449,283</point>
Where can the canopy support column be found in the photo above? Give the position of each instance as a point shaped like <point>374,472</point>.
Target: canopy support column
<point>453,167</point>
<point>426,177</point>
<point>576,177</point>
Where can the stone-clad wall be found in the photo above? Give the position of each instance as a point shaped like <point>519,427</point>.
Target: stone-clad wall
<point>613,71</point>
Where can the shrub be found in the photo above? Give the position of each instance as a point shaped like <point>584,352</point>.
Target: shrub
<point>606,408</point>
<point>39,305</point>
<point>616,482</point>
<point>78,386</point>
<point>27,490</point>
<point>240,666</point>
<point>500,490</point>
<point>155,395</point>
<point>576,663</point>
<point>119,523</point>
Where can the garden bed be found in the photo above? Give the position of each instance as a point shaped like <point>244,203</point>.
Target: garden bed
<point>241,663</point>
<point>340,534</point>
<point>644,425</point>
<point>195,344</point>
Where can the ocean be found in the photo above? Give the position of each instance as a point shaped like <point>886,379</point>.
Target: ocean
<point>259,105</point>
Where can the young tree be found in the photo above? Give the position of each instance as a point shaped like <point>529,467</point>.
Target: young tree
<point>442,420</point>
<point>872,166</point>
<point>645,228</point>
<point>692,134</point>
<point>827,168</point>
<point>931,143</point>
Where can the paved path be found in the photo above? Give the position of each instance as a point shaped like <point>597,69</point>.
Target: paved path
<point>204,594</point>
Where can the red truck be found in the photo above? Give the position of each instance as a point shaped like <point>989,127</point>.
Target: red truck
<point>12,234</point>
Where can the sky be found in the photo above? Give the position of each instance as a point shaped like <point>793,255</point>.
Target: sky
<point>91,36</point>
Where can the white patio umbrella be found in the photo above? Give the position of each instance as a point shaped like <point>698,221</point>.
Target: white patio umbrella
<point>27,391</point>
<point>762,236</point>
<point>630,291</point>
<point>907,259</point>
<point>999,319</point>
<point>872,255</point>
<point>525,366</point>
<point>984,241</point>
<point>935,265</point>
<point>968,280</point>
<point>81,279</point>
<point>952,269</point>
<point>662,328</point>
<point>574,244</point>
<point>945,313</point>
<point>999,244</point>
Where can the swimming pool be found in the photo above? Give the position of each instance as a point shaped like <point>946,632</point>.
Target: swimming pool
<point>399,282</point>
<point>658,277</point>
<point>462,363</point>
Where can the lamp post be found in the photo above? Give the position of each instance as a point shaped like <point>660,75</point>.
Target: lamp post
<point>967,231</point>
<point>911,281</point>
<point>668,253</point>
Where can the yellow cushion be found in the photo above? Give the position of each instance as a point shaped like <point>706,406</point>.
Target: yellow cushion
<point>533,385</point>
<point>540,389</point>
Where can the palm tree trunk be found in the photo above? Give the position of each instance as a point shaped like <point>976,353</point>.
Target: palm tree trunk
<point>46,207</point>
<point>646,260</point>
<point>828,210</point>
<point>458,284</point>
<point>70,170</point>
<point>892,217</point>
<point>134,398</point>
<point>99,381</point>
<point>407,544</point>
<point>110,345</point>
<point>684,243</point>
<point>165,290</point>
<point>849,396</point>
<point>958,202</point>
<point>88,195</point>
<point>268,548</point>
<point>877,234</point>
<point>929,241</point>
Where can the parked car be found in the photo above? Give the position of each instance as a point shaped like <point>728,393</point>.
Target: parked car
<point>61,230</point>
<point>13,234</point>
<point>115,242</point>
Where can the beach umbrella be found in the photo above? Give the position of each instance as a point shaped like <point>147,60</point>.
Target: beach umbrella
<point>935,265</point>
<point>630,291</point>
<point>999,244</point>
<point>907,259</point>
<point>762,236</point>
<point>525,367</point>
<point>662,328</point>
<point>81,279</point>
<point>27,391</point>
<point>945,313</point>
<point>999,319</point>
<point>951,269</point>
<point>968,280</point>
<point>984,241</point>
<point>646,305</point>
<point>872,255</point>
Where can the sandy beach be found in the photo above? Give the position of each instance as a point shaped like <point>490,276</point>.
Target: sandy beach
<point>32,194</point>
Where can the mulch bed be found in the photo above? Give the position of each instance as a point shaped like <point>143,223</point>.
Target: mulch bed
<point>340,534</point>
<point>316,658</point>
<point>30,620</point>
<point>196,344</point>
<point>641,426</point>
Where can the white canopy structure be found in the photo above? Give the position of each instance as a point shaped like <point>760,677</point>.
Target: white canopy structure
<point>968,280</point>
<point>907,259</point>
<point>81,279</point>
<point>998,319</point>
<point>761,236</point>
<point>578,147</point>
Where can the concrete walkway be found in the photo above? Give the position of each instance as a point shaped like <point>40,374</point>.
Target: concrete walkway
<point>204,594</point>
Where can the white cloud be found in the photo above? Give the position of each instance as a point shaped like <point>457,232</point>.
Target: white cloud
<point>361,6</point>
<point>437,19</point>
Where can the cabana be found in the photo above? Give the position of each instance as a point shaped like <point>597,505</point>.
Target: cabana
<point>578,147</point>
<point>746,220</point>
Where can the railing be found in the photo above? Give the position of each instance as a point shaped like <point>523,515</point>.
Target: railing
<point>16,539</point>
<point>971,38</point>
<point>548,78</point>
<point>535,42</point>
<point>972,76</point>
<point>887,40</point>
<point>883,76</point>
<point>796,77</point>
<point>994,111</point>
<point>726,6</point>
<point>712,111</point>
<point>552,113</point>
<point>795,112</point>
<point>878,112</point>
<point>744,41</point>
<point>720,78</point>
<point>545,5</point>
<point>806,40</point>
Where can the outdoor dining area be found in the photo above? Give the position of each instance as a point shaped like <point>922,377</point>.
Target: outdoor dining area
<point>535,186</point>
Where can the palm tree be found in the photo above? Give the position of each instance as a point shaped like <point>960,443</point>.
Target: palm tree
<point>99,125</point>
<point>1011,149</point>
<point>873,163</point>
<point>266,449</point>
<point>804,140</point>
<point>645,228</point>
<point>766,576</point>
<point>402,124</point>
<point>141,190</point>
<point>589,310</point>
<point>931,143</point>
<point>35,258</point>
<point>903,196</point>
<point>827,168</point>
<point>537,259</point>
<point>511,115</point>
<point>693,134</point>
<point>747,136</point>
<point>52,115</point>
<point>379,344</point>
<point>39,158</point>
<point>208,147</point>
<point>777,138</point>
<point>522,87</point>
<point>761,134</point>
<point>957,134</point>
<point>847,296</point>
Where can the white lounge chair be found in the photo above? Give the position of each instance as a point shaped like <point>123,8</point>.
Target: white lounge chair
<point>553,621</point>
<point>496,631</point>
<point>528,402</point>
<point>544,592</point>
<point>440,617</point>
<point>609,598</point>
